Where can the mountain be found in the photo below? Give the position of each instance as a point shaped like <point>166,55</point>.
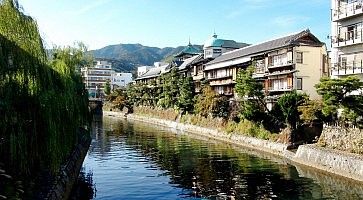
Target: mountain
<point>126,57</point>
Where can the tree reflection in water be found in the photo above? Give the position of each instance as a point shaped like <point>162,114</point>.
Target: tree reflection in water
<point>199,169</point>
<point>84,188</point>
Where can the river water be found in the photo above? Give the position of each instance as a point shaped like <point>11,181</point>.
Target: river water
<point>133,160</point>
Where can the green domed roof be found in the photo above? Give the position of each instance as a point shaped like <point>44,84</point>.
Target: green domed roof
<point>213,42</point>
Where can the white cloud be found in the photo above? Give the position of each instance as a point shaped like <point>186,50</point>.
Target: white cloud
<point>288,21</point>
<point>90,6</point>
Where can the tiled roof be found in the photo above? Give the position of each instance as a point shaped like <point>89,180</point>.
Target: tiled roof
<point>153,72</point>
<point>188,62</point>
<point>265,46</point>
<point>190,49</point>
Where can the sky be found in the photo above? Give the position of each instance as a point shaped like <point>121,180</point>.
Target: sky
<point>170,23</point>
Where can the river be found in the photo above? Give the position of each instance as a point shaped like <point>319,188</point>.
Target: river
<point>133,160</point>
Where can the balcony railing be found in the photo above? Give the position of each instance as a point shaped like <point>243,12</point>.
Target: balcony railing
<point>348,38</point>
<point>221,82</point>
<point>347,68</point>
<point>260,70</point>
<point>219,77</point>
<point>280,64</point>
<point>225,92</point>
<point>348,10</point>
<point>280,88</point>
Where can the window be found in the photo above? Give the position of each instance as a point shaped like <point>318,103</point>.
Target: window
<point>325,70</point>
<point>278,60</point>
<point>217,51</point>
<point>299,83</point>
<point>299,57</point>
<point>343,62</point>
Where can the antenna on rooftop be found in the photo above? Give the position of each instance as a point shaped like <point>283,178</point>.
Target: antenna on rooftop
<point>214,33</point>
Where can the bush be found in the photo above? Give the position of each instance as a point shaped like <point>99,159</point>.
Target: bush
<point>168,114</point>
<point>248,128</point>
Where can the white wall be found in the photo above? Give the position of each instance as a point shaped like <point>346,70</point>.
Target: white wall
<point>121,79</point>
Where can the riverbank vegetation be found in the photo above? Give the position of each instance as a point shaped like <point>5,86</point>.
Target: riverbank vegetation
<point>294,116</point>
<point>43,101</point>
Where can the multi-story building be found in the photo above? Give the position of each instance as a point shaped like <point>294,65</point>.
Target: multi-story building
<point>142,70</point>
<point>95,78</point>
<point>212,48</point>
<point>121,79</point>
<point>188,52</point>
<point>347,38</point>
<point>295,62</point>
<point>153,73</point>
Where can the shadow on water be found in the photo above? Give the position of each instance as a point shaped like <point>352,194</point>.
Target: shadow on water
<point>196,168</point>
<point>84,189</point>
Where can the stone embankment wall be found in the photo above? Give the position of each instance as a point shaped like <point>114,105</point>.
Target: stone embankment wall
<point>332,161</point>
<point>345,139</point>
<point>337,162</point>
<point>69,172</point>
<point>262,145</point>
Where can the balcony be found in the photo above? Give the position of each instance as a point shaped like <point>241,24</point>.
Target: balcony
<point>211,78</point>
<point>198,77</point>
<point>283,72</point>
<point>225,92</point>
<point>280,64</point>
<point>347,11</point>
<point>221,82</point>
<point>347,68</point>
<point>280,88</point>
<point>348,38</point>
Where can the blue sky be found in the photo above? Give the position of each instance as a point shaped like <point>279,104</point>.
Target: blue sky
<point>163,23</point>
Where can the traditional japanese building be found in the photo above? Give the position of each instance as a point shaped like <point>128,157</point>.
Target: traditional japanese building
<point>152,73</point>
<point>294,62</point>
<point>188,52</point>
<point>212,48</point>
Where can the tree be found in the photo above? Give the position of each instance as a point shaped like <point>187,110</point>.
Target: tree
<point>170,89</point>
<point>206,102</point>
<point>107,87</point>
<point>342,94</point>
<point>251,95</point>
<point>311,111</point>
<point>289,103</point>
<point>221,108</point>
<point>186,94</point>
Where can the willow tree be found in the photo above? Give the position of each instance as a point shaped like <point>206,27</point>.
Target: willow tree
<point>37,96</point>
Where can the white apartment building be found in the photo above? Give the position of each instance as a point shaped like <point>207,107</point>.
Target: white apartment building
<point>96,77</point>
<point>142,70</point>
<point>121,79</point>
<point>347,38</point>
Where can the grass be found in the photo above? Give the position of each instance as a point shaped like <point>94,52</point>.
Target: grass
<point>244,127</point>
<point>168,114</point>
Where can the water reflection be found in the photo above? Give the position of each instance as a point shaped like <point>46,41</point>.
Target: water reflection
<point>139,161</point>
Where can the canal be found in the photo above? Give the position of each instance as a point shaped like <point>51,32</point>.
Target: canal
<point>133,160</point>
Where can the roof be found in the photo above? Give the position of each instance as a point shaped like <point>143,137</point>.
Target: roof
<point>153,72</point>
<point>214,41</point>
<point>190,49</point>
<point>266,46</point>
<point>188,62</point>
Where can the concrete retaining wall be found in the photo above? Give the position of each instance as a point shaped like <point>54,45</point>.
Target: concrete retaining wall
<point>63,184</point>
<point>337,162</point>
<point>262,145</point>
